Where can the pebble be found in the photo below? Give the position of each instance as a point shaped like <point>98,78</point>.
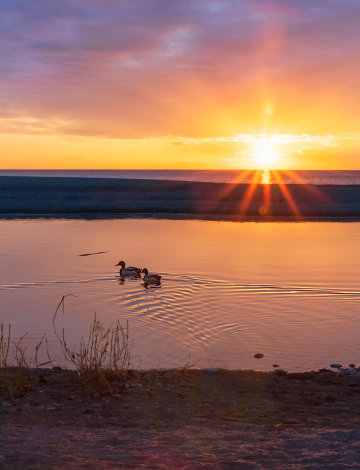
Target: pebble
<point>352,365</point>
<point>275,365</point>
<point>350,371</point>
<point>96,395</point>
<point>50,407</point>
<point>213,370</point>
<point>258,355</point>
<point>6,404</point>
<point>280,372</point>
<point>336,366</point>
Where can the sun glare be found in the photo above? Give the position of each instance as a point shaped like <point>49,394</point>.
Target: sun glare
<point>265,155</point>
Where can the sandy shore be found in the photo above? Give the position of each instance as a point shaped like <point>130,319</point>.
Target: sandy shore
<point>201,420</point>
<point>76,196</point>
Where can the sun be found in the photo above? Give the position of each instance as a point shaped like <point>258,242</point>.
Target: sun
<point>265,155</point>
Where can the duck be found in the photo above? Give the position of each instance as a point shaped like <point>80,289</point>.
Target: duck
<point>129,271</point>
<point>150,277</point>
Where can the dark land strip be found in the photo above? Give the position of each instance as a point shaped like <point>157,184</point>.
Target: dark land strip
<point>102,197</point>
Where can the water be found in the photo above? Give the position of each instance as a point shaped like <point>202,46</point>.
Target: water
<point>215,176</point>
<point>229,290</point>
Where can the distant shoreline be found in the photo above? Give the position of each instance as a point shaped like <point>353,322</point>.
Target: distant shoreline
<point>62,197</point>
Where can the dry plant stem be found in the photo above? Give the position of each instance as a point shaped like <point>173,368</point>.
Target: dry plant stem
<point>4,346</point>
<point>37,348</point>
<point>103,357</point>
<point>188,366</point>
<point>20,380</point>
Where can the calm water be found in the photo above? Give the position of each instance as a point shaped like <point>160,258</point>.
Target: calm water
<point>229,290</point>
<point>215,176</point>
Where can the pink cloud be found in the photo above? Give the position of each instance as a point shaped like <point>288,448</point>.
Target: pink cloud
<point>276,9</point>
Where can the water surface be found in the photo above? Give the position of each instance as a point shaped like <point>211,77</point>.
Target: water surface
<point>229,290</point>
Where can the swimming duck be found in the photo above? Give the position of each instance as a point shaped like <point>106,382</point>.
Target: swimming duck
<point>150,277</point>
<point>129,271</point>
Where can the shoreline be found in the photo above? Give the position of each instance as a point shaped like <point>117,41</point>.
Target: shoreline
<point>170,216</point>
<point>183,419</point>
<point>60,197</point>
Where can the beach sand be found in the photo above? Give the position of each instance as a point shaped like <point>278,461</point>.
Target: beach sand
<point>197,420</point>
<point>23,196</point>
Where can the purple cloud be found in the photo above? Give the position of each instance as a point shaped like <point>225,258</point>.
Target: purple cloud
<point>156,67</point>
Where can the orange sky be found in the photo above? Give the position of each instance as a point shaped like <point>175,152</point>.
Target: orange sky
<point>192,84</point>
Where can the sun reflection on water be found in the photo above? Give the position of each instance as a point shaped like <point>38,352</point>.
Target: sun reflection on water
<point>266,177</point>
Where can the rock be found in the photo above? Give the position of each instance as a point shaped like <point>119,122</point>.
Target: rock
<point>50,407</point>
<point>56,404</point>
<point>116,395</point>
<point>96,395</point>
<point>350,371</point>
<point>323,370</point>
<point>352,365</point>
<point>275,365</point>
<point>72,397</point>
<point>213,370</point>
<point>280,372</point>
<point>6,404</point>
<point>57,368</point>
<point>330,398</point>
<point>258,356</point>
<point>127,386</point>
<point>336,366</point>
<point>35,403</point>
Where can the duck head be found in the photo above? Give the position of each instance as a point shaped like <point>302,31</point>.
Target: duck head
<point>145,271</point>
<point>121,263</point>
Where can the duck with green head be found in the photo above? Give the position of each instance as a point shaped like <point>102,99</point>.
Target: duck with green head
<point>129,271</point>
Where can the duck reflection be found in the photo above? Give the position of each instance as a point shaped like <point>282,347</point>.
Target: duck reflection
<point>122,279</point>
<point>152,285</point>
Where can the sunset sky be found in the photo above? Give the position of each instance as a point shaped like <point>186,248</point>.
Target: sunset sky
<point>180,84</point>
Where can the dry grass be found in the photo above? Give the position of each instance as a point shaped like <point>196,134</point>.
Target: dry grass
<point>15,377</point>
<point>103,357</point>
